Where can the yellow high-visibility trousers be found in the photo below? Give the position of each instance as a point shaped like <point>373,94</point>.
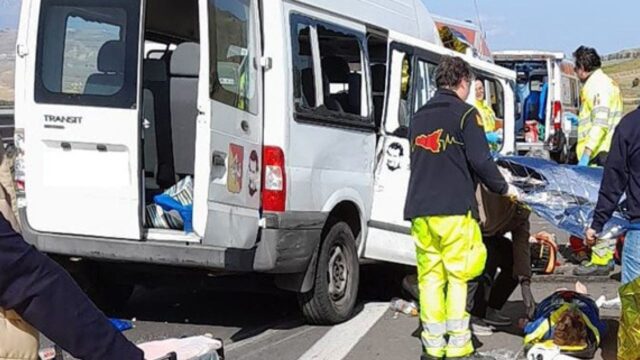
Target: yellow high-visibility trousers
<point>450,252</point>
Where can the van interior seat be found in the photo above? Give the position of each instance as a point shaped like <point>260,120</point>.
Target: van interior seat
<point>158,150</point>
<point>110,65</point>
<point>184,70</point>
<point>378,82</point>
<point>335,70</point>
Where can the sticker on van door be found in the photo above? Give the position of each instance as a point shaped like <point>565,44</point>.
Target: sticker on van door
<point>235,165</point>
<point>253,173</point>
<point>395,152</point>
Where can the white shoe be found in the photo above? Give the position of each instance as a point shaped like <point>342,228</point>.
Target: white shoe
<point>480,328</point>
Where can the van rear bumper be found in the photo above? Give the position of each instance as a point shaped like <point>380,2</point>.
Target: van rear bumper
<point>285,246</point>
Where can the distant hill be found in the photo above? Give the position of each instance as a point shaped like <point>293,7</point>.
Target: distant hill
<point>624,68</point>
<point>7,62</point>
<point>623,55</point>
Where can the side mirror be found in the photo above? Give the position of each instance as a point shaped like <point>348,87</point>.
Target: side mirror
<point>401,132</point>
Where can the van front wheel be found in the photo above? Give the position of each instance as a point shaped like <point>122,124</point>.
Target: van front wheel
<point>337,276</point>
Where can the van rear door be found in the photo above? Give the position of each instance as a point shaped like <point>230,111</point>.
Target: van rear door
<point>229,126</point>
<point>80,117</point>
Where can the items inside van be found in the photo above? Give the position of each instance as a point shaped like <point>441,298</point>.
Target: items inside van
<point>170,85</point>
<point>531,100</point>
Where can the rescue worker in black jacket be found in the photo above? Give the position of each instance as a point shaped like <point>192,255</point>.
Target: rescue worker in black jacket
<point>449,154</point>
<point>46,297</point>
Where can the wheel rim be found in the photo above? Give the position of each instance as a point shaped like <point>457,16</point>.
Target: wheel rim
<point>338,273</point>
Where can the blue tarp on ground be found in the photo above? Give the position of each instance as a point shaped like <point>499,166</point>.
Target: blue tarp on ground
<point>564,195</point>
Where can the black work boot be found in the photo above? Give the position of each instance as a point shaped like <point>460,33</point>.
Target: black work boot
<point>429,357</point>
<point>474,356</point>
<point>591,269</point>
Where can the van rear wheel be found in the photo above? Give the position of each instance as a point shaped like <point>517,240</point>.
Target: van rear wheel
<point>337,276</point>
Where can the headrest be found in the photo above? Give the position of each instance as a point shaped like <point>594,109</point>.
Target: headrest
<point>111,57</point>
<point>336,68</point>
<point>378,77</point>
<point>154,70</point>
<point>185,60</point>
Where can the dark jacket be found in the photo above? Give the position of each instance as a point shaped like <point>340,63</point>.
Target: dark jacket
<point>621,173</point>
<point>449,154</point>
<point>46,297</point>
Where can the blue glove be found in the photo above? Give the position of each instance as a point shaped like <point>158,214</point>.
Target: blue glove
<point>584,160</point>
<point>121,325</point>
<point>493,137</point>
<point>572,117</point>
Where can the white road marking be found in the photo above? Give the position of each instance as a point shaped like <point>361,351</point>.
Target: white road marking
<point>338,342</point>
<point>264,335</point>
<point>275,344</point>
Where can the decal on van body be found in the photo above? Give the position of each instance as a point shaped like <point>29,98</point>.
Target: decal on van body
<point>235,166</point>
<point>395,152</point>
<point>253,173</point>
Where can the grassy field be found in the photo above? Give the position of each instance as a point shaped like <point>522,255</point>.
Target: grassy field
<point>624,73</point>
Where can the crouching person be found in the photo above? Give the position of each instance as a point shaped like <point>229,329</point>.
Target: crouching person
<point>491,291</point>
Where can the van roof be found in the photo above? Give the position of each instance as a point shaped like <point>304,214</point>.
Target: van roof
<point>409,17</point>
<point>527,55</point>
<point>475,62</point>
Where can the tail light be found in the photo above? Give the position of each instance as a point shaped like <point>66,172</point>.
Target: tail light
<point>557,115</point>
<point>19,168</point>
<point>274,179</point>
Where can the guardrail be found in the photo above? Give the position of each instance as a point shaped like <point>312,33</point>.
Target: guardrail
<point>7,125</point>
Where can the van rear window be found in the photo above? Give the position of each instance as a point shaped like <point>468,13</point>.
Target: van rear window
<point>87,53</point>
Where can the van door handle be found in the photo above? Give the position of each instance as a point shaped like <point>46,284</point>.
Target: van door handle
<point>22,50</point>
<point>218,165</point>
<point>217,159</point>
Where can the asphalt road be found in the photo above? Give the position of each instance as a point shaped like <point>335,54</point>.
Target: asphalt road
<point>269,326</point>
<point>258,322</point>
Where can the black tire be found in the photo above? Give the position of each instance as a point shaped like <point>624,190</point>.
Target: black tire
<point>328,302</point>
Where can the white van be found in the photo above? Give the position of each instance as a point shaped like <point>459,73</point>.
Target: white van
<point>284,114</point>
<point>535,69</point>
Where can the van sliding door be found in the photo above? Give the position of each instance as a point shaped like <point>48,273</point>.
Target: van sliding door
<point>411,85</point>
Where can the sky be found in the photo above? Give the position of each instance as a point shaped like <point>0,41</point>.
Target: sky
<point>562,25</point>
<point>553,25</point>
<point>9,10</point>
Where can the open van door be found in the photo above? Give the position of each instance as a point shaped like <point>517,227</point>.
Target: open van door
<point>389,236</point>
<point>79,115</point>
<point>229,126</point>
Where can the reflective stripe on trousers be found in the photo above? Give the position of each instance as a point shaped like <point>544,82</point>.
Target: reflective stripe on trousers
<point>458,325</point>
<point>433,339</point>
<point>458,341</point>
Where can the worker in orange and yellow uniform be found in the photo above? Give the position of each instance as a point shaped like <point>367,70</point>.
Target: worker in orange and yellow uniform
<point>600,113</point>
<point>449,154</point>
<point>488,116</point>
